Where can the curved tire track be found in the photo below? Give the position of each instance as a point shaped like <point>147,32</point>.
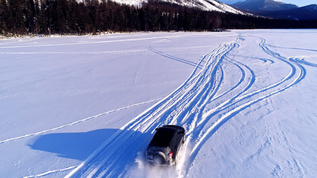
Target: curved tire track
<point>189,106</point>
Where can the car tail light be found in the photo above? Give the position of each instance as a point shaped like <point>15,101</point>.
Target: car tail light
<point>170,154</point>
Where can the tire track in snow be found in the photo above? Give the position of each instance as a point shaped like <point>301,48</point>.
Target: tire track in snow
<point>277,87</point>
<point>199,125</point>
<point>293,48</point>
<point>189,106</point>
<point>50,172</point>
<point>173,57</point>
<point>93,165</point>
<point>74,123</point>
<point>240,97</point>
<point>104,161</point>
<point>302,61</point>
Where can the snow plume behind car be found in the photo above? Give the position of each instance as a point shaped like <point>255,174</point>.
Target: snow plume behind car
<point>143,169</point>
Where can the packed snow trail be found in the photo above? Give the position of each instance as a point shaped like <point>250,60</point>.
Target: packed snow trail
<point>211,96</point>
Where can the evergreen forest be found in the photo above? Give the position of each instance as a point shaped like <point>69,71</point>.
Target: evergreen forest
<point>27,17</point>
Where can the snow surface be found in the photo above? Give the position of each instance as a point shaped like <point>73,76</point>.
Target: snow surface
<point>88,106</point>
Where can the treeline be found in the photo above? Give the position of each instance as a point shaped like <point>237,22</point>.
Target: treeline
<point>22,17</point>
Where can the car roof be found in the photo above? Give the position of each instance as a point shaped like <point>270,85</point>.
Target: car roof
<point>174,127</point>
<point>163,136</point>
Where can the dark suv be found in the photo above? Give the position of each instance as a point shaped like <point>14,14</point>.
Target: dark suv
<point>165,145</point>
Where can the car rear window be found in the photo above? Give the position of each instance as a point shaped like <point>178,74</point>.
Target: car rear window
<point>162,137</point>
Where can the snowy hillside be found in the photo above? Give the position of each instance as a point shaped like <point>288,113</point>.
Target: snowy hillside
<point>208,5</point>
<point>88,106</point>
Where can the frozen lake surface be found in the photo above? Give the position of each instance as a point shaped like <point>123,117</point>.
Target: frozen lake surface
<point>88,106</point>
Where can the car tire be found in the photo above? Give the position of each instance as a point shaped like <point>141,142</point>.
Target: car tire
<point>159,158</point>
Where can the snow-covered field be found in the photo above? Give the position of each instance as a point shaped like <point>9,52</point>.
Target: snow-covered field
<point>88,106</point>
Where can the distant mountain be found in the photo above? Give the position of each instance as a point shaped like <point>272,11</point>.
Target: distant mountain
<point>263,5</point>
<point>278,9</point>
<point>303,13</point>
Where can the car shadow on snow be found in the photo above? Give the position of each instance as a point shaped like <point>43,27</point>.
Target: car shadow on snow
<point>73,145</point>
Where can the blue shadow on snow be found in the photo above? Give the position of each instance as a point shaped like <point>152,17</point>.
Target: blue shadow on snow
<point>73,145</point>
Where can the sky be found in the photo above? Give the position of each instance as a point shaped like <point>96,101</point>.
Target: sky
<point>299,3</point>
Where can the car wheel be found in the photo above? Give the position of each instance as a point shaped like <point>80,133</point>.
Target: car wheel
<point>159,158</point>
